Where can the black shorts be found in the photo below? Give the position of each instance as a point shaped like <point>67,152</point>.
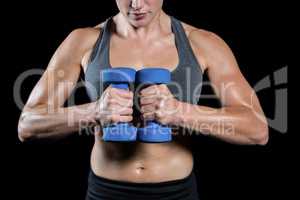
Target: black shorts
<point>100,188</point>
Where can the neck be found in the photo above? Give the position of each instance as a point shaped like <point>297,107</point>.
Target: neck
<point>127,30</point>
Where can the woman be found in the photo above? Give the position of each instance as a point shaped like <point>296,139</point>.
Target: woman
<point>143,35</point>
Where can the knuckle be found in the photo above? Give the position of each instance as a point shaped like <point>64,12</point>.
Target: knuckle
<point>157,115</point>
<point>109,118</point>
<point>146,116</point>
<point>157,105</point>
<point>142,100</point>
<point>130,111</point>
<point>113,90</point>
<point>128,103</point>
<point>164,86</point>
<point>110,102</point>
<point>109,92</point>
<point>164,121</point>
<point>130,93</point>
<point>114,118</point>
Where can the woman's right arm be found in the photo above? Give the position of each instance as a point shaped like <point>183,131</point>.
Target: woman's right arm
<point>44,116</point>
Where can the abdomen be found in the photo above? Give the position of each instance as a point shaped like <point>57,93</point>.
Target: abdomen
<point>141,162</point>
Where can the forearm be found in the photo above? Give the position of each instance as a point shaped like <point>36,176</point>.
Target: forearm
<point>238,125</point>
<point>43,122</point>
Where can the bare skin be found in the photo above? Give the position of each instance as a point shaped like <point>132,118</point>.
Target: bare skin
<point>152,45</point>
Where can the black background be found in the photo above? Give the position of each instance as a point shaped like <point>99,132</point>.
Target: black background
<point>259,36</point>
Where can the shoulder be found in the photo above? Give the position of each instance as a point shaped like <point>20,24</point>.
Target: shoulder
<point>206,44</point>
<point>83,38</point>
<point>204,38</point>
<point>80,42</point>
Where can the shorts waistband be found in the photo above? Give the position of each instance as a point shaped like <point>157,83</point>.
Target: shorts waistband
<point>102,180</point>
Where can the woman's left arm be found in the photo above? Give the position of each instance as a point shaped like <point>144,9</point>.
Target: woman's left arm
<point>240,120</point>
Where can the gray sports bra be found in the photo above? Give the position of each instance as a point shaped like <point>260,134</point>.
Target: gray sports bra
<point>186,78</point>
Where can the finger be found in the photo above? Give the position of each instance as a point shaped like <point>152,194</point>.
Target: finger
<point>117,109</point>
<point>148,116</point>
<point>120,118</point>
<point>148,100</point>
<point>148,108</point>
<point>121,111</point>
<point>115,92</point>
<point>151,90</point>
<point>120,102</point>
<point>126,111</point>
<point>126,102</point>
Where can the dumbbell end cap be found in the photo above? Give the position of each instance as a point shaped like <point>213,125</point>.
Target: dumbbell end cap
<point>118,74</point>
<point>153,75</point>
<point>156,134</point>
<point>121,132</point>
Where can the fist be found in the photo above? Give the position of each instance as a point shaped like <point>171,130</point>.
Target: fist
<point>158,103</point>
<point>114,105</point>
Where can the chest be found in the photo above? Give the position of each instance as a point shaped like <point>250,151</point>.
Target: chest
<point>162,53</point>
<point>186,75</point>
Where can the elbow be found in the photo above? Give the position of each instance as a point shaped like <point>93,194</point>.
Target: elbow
<point>258,130</point>
<point>261,135</point>
<point>25,136</point>
<point>25,133</point>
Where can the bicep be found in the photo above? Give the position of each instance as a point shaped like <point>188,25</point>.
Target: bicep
<point>60,77</point>
<point>227,80</point>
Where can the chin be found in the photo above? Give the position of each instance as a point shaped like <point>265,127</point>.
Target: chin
<point>140,22</point>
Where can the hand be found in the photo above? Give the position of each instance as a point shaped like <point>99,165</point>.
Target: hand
<point>158,103</point>
<point>114,105</point>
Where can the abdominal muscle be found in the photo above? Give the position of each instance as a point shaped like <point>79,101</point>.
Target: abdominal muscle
<point>141,162</point>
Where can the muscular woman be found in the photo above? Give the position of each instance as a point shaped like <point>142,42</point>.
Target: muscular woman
<point>143,35</point>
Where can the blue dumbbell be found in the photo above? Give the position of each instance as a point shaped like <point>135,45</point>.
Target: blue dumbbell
<point>153,131</point>
<point>120,78</point>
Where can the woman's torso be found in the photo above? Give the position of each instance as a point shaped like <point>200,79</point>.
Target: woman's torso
<point>145,162</point>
